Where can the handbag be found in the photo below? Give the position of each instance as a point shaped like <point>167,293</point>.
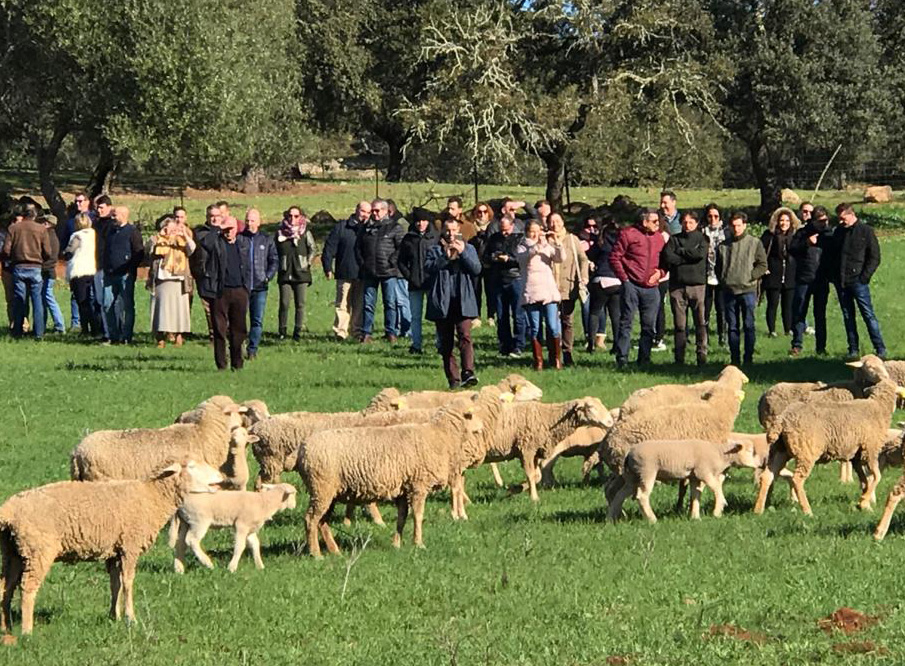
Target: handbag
<point>583,293</point>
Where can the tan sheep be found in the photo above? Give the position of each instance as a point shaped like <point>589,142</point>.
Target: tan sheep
<point>896,370</point>
<point>255,410</point>
<point>138,453</point>
<point>697,461</point>
<point>673,394</point>
<point>402,463</point>
<point>113,521</point>
<point>815,433</point>
<point>244,511</point>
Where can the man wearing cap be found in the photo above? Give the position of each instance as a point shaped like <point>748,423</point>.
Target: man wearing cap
<point>26,248</point>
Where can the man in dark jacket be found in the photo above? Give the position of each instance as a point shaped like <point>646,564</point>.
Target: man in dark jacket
<point>377,250</point>
<point>198,259</point>
<point>452,266</point>
<point>412,255</point>
<point>503,273</point>
<point>685,257</point>
<point>26,248</point>
<point>856,257</point>
<point>340,262</point>
<point>123,253</point>
<point>225,283</point>
<point>101,223</point>
<point>262,260</point>
<point>811,248</point>
<point>635,260</point>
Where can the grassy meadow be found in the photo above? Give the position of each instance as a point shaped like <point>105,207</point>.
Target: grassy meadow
<point>519,583</point>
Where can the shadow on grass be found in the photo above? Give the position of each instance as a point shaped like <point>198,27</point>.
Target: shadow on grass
<point>597,515</point>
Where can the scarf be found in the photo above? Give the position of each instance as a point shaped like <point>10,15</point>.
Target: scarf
<point>171,250</point>
<point>289,232</point>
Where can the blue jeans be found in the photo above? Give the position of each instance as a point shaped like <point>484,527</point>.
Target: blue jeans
<point>389,291</point>
<point>801,300</point>
<point>403,309</point>
<point>257,302</point>
<point>745,303</point>
<point>50,302</point>
<point>119,306</point>
<point>647,301</point>
<point>97,296</point>
<point>547,311</point>
<point>74,317</point>
<point>416,305</point>
<point>27,283</point>
<point>509,309</point>
<point>859,294</point>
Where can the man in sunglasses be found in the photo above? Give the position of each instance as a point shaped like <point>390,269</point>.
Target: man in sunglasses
<point>810,247</point>
<point>82,204</point>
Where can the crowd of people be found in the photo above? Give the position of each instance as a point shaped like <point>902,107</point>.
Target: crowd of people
<point>515,262</point>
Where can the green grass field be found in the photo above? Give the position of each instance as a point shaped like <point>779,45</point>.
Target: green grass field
<point>517,584</point>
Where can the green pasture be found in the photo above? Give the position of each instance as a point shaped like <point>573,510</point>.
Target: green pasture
<point>519,583</point>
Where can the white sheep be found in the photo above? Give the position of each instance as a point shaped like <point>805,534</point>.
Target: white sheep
<point>244,511</point>
<point>816,432</point>
<point>113,521</point>
<point>697,461</point>
<point>255,410</point>
<point>673,394</point>
<point>583,442</point>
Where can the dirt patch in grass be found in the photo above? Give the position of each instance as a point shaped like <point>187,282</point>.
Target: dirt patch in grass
<point>619,660</point>
<point>847,620</point>
<point>860,647</point>
<point>738,633</point>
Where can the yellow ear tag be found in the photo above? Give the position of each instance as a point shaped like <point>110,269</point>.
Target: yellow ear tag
<point>507,397</point>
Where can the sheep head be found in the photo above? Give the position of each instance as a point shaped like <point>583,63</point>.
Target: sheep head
<point>731,374</point>
<point>193,477</point>
<point>289,492</point>
<point>385,401</point>
<point>473,423</point>
<point>521,388</point>
<point>591,412</point>
<point>868,370</point>
<point>255,411</point>
<point>240,438</point>
<point>742,453</point>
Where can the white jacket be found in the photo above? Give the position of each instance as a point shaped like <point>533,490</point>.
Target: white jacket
<point>84,261</point>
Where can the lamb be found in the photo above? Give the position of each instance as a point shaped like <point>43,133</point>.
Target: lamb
<point>816,432</point>
<point>246,512</point>
<point>401,463</point>
<point>138,453</point>
<point>698,461</point>
<point>672,394</point>
<point>528,431</point>
<point>892,454</point>
<point>113,521</point>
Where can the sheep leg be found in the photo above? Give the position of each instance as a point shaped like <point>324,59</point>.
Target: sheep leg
<point>895,496</point>
<point>547,480</point>
<point>644,490</point>
<point>350,513</point>
<point>613,486</point>
<point>402,512</point>
<point>715,483</point>
<point>193,540</point>
<point>13,566</point>
<point>589,463</point>
<point>869,496</point>
<point>845,471</point>
<point>530,472</point>
<point>238,549</point>
<point>680,500</point>
<point>374,512</point>
<point>255,546</point>
<point>116,586</point>
<point>777,462</point>
<point>129,564</point>
<point>174,530</point>
<point>313,518</point>
<point>327,533</point>
<point>32,577</point>
<point>497,478</point>
<point>696,487</point>
<point>799,476</point>
<point>179,561</point>
<point>418,500</point>
<point>614,510</point>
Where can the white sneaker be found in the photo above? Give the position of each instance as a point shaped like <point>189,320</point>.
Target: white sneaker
<point>809,330</point>
<point>660,346</point>
<point>476,323</point>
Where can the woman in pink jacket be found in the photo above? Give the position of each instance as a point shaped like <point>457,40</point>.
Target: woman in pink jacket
<point>540,296</point>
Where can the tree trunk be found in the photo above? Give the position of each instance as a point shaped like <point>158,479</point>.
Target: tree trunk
<point>765,177</point>
<point>395,159</point>
<point>46,155</point>
<point>102,176</point>
<point>555,161</point>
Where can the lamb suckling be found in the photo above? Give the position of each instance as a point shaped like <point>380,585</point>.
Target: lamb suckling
<point>113,521</point>
<point>244,511</point>
<point>698,461</point>
<point>527,431</point>
<point>815,433</point>
<point>672,394</point>
<point>402,463</point>
<point>139,452</point>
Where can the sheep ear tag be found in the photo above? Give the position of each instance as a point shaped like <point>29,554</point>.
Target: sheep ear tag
<point>507,397</point>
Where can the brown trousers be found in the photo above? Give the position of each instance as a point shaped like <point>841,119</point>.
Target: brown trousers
<point>448,330</point>
<point>681,299</point>
<point>230,313</point>
<point>566,310</point>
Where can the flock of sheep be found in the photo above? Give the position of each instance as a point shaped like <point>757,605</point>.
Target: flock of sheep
<point>127,484</point>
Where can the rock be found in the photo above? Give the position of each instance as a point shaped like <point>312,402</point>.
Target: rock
<point>577,208</point>
<point>323,217</point>
<point>878,194</point>
<point>790,197</point>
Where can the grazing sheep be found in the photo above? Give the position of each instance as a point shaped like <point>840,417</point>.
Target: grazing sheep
<point>527,431</point>
<point>244,511</point>
<point>697,461</point>
<point>673,394</point>
<point>815,433</point>
<point>138,453</point>
<point>892,454</point>
<point>402,463</point>
<point>113,521</point>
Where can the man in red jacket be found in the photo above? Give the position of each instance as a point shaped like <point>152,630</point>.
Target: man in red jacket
<point>636,261</point>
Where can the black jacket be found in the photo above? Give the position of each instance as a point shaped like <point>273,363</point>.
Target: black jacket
<point>262,259</point>
<point>502,272</point>
<point>856,254</point>
<point>377,248</point>
<point>780,261</point>
<point>412,255</point>
<point>811,261</point>
<point>100,226</point>
<point>340,246</point>
<point>599,253</point>
<point>210,282</point>
<point>685,257</point>
<point>123,250</point>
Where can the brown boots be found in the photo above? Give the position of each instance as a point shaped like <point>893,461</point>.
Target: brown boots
<point>538,351</point>
<point>554,353</point>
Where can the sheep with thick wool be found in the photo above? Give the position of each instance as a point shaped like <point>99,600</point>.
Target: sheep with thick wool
<point>255,410</point>
<point>245,512</point>
<point>892,454</point>
<point>817,432</point>
<point>139,452</point>
<point>674,394</point>
<point>403,463</point>
<point>113,521</point>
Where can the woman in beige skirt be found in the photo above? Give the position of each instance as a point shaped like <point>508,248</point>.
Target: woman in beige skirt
<point>168,281</point>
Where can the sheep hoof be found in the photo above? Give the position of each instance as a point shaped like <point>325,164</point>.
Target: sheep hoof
<point>232,568</point>
<point>178,567</point>
<point>866,506</point>
<point>347,522</point>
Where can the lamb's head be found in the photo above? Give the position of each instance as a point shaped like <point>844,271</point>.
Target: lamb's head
<point>868,370</point>
<point>590,411</point>
<point>234,415</point>
<point>191,477</point>
<point>388,400</point>
<point>255,411</point>
<point>239,439</point>
<point>732,376</point>
<point>288,490</point>
<point>521,388</point>
<point>743,453</point>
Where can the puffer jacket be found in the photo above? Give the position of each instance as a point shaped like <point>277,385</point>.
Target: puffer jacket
<point>412,255</point>
<point>295,257</point>
<point>537,262</point>
<point>856,254</point>
<point>262,259</point>
<point>502,272</point>
<point>377,248</point>
<point>811,261</point>
<point>340,248</point>
<point>780,261</point>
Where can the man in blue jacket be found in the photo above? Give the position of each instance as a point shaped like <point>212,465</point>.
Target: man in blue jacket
<point>262,260</point>
<point>340,262</point>
<point>123,254</point>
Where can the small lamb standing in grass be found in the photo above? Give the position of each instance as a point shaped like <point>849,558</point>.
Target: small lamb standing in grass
<point>113,521</point>
<point>700,462</point>
<point>244,511</point>
<point>816,433</point>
